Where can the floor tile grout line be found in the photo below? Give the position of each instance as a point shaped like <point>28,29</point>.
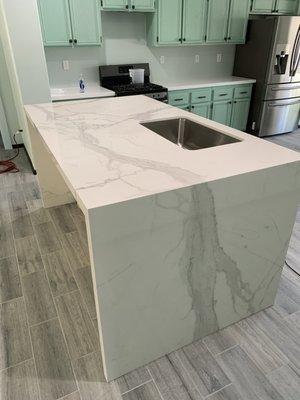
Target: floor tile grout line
<point>224,351</point>
<point>136,387</point>
<point>27,318</point>
<point>189,375</point>
<point>43,322</point>
<point>11,300</point>
<point>70,394</point>
<point>217,391</point>
<point>155,384</point>
<point>16,365</point>
<point>59,321</point>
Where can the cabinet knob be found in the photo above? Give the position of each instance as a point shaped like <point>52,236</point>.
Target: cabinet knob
<point>75,40</point>
<point>127,6</point>
<point>133,7</point>
<point>70,40</point>
<point>229,38</point>
<point>184,39</point>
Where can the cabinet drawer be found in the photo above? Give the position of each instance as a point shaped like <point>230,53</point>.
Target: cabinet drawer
<point>179,98</point>
<point>222,93</point>
<point>242,92</point>
<point>201,96</point>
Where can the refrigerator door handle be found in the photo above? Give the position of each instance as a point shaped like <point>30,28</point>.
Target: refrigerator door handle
<point>295,55</point>
<point>284,104</point>
<point>285,88</point>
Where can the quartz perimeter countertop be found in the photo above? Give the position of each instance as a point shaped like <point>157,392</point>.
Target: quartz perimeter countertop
<point>73,93</point>
<point>107,157</point>
<point>202,83</point>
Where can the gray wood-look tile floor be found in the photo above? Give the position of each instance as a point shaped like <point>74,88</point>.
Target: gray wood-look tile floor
<point>49,346</point>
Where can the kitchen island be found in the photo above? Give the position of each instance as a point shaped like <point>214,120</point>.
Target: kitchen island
<point>182,243</point>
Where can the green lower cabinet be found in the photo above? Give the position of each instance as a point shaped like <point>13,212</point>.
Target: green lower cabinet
<point>186,107</point>
<point>221,112</point>
<point>203,110</point>
<point>240,112</point>
<point>55,22</point>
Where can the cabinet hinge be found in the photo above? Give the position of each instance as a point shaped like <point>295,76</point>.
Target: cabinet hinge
<point>157,39</point>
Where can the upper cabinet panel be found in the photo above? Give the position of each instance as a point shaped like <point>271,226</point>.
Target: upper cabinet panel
<point>115,5</point>
<point>287,6</point>
<point>217,21</point>
<point>55,22</point>
<point>194,21</point>
<point>143,5</point>
<point>86,22</point>
<point>169,21</point>
<point>263,6</point>
<point>238,21</point>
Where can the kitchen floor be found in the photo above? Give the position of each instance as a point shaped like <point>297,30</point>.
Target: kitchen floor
<point>49,347</point>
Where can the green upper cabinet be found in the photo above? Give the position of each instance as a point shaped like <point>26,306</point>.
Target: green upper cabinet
<point>70,22</point>
<point>217,21</point>
<point>86,22</point>
<point>55,22</point>
<point>143,5</point>
<point>287,6</point>
<point>169,18</point>
<point>227,21</point>
<point>263,6</point>
<point>128,5</point>
<point>275,6</point>
<point>194,21</point>
<point>238,21</point>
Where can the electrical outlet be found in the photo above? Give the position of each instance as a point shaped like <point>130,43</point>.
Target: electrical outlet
<point>66,65</point>
<point>197,59</point>
<point>219,57</point>
<point>162,59</point>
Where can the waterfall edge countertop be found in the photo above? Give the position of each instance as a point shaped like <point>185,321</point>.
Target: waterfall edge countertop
<point>92,91</point>
<point>107,157</point>
<point>203,83</point>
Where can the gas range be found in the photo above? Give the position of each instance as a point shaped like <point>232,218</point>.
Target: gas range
<point>117,79</point>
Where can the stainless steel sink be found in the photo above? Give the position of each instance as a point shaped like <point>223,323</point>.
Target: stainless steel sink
<point>188,134</point>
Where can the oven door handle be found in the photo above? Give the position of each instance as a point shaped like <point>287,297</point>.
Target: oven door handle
<point>283,104</point>
<point>285,88</point>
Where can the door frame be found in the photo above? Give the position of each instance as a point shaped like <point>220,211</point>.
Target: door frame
<point>4,131</point>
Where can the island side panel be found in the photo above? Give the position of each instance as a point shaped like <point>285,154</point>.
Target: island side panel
<point>172,268</point>
<point>53,188</point>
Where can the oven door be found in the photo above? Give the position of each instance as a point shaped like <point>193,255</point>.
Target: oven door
<point>280,116</point>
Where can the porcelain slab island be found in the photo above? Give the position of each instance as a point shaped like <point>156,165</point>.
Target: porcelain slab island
<point>182,243</point>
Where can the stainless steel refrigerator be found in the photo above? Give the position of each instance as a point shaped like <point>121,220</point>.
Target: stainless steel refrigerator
<point>271,55</point>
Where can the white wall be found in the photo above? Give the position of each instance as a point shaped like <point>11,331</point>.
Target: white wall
<point>25,35</point>
<point>124,42</point>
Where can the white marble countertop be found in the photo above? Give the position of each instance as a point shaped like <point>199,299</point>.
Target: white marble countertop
<point>92,91</point>
<point>107,157</point>
<point>202,83</point>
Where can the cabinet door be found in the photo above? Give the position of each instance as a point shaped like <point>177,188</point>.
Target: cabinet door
<point>217,21</point>
<point>194,21</point>
<point>238,21</point>
<point>115,5</point>
<point>240,112</point>
<point>203,110</point>
<point>55,22</point>
<point>287,6</point>
<point>221,112</point>
<point>169,21</point>
<point>86,22</point>
<point>263,6</point>
<point>143,5</point>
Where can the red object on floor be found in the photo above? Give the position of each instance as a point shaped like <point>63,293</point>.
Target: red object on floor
<point>9,165</point>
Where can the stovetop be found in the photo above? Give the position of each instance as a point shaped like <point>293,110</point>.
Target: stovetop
<point>136,89</point>
<point>117,79</point>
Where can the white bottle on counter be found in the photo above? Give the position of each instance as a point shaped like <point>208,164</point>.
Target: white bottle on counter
<point>81,84</point>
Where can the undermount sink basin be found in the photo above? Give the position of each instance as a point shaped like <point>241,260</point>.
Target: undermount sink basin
<point>189,134</point>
